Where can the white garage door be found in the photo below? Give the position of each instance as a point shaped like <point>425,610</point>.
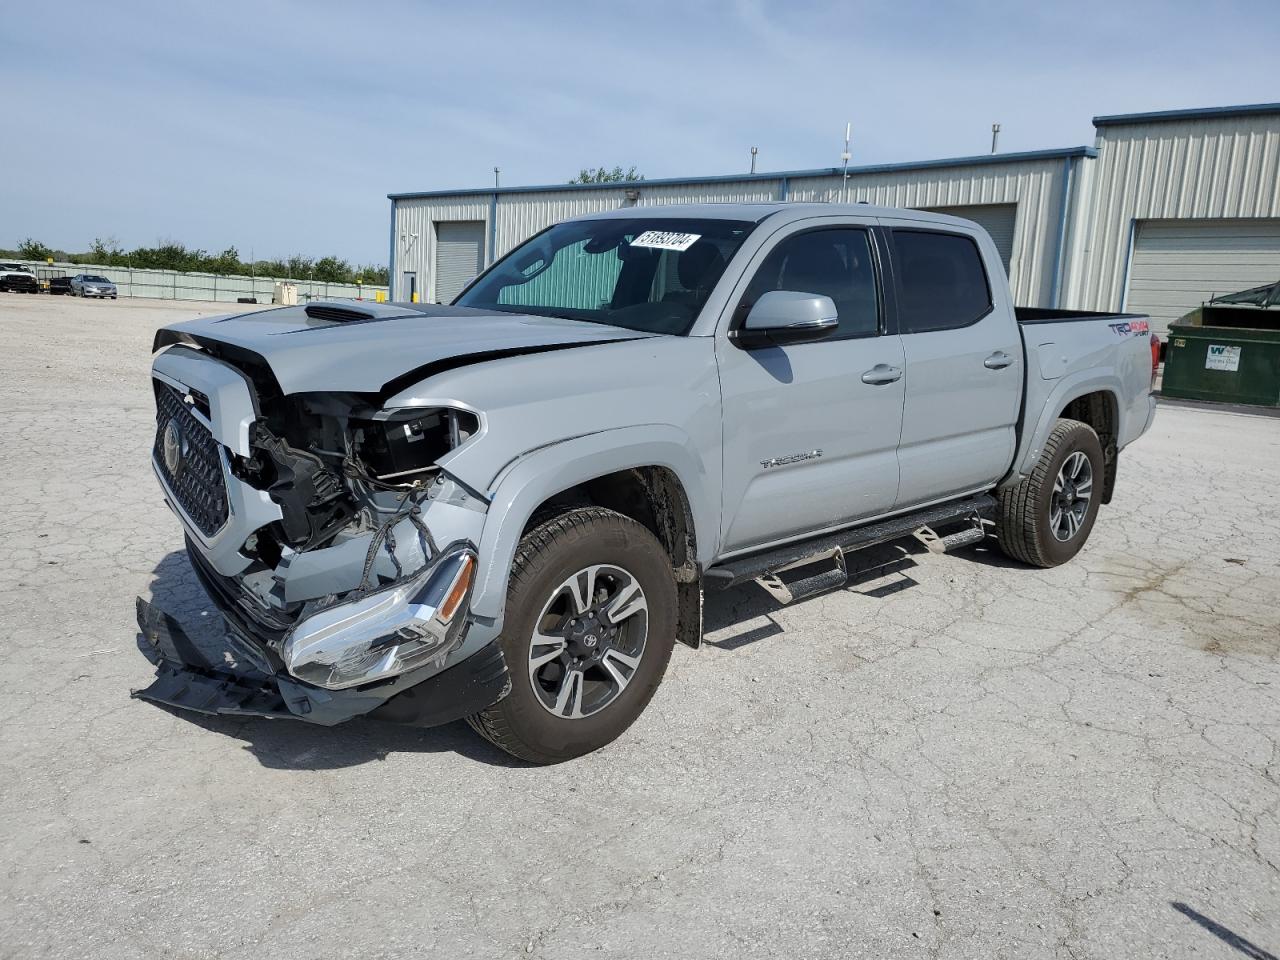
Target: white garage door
<point>1179,264</point>
<point>997,219</point>
<point>459,256</point>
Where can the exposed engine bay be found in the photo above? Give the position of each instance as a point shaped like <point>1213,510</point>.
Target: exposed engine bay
<point>333,535</point>
<point>334,464</point>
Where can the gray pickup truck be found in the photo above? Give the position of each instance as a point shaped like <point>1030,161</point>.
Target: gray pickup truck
<point>508,509</point>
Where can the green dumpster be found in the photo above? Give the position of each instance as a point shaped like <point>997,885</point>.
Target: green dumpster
<point>1228,350</point>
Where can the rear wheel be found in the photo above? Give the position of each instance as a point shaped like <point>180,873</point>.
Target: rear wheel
<point>1046,518</point>
<point>589,628</point>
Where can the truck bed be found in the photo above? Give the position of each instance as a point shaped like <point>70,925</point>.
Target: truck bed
<point>1075,353</point>
<point>1047,315</point>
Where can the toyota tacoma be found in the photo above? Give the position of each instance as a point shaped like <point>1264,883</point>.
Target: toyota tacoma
<point>508,509</point>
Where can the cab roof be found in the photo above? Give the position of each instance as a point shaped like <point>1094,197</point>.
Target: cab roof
<point>785,211</point>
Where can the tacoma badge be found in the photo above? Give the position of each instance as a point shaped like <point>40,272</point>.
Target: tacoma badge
<point>794,458</point>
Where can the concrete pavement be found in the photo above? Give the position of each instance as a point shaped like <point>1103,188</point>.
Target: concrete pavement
<point>953,757</point>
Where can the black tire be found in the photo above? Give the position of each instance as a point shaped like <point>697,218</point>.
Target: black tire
<point>1023,514</point>
<point>552,551</point>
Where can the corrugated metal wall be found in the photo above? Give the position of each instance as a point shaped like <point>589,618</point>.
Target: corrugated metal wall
<point>521,215</point>
<point>413,237</point>
<point>1034,185</point>
<point>1213,167</point>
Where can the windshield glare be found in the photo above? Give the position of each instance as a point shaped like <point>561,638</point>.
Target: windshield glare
<point>647,274</point>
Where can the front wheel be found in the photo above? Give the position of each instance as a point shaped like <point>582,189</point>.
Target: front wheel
<point>589,628</point>
<point>1046,517</point>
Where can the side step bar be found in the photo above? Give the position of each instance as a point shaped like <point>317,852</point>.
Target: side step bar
<point>765,568</point>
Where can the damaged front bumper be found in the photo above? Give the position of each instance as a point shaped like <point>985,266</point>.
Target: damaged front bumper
<point>336,599</point>
<point>231,675</point>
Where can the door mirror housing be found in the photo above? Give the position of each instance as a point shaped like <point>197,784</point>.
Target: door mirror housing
<point>786,316</point>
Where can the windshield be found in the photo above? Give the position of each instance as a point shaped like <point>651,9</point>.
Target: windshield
<point>96,280</point>
<point>648,274</point>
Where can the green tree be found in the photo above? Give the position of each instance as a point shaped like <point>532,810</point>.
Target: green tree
<point>332,270</point>
<point>30,249</point>
<point>228,261</point>
<point>605,175</point>
<point>107,252</point>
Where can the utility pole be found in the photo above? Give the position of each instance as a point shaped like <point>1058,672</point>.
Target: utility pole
<point>754,151</point>
<point>844,160</point>
<point>995,136</point>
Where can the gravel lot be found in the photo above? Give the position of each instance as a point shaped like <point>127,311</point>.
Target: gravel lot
<point>953,757</point>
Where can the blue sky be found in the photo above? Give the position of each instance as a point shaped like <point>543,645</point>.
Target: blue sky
<point>279,127</point>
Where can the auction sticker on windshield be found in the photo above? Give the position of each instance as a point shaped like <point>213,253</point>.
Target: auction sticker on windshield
<point>665,240</point>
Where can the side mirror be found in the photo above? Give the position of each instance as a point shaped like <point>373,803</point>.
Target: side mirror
<point>786,316</point>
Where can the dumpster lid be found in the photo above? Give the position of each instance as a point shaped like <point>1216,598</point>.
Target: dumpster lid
<point>1264,296</point>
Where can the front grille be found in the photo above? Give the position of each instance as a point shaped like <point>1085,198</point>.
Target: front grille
<point>195,476</point>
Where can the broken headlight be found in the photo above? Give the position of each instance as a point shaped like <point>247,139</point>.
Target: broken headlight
<point>401,449</point>
<point>388,632</point>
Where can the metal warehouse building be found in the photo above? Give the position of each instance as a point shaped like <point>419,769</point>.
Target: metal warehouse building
<point>1164,211</point>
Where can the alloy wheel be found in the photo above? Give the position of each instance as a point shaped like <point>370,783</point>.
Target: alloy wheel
<point>588,641</point>
<point>1069,502</point>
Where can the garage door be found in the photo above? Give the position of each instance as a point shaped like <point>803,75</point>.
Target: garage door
<point>1179,264</point>
<point>997,219</point>
<point>459,256</point>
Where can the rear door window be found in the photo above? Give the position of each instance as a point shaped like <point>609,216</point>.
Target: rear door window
<point>941,281</point>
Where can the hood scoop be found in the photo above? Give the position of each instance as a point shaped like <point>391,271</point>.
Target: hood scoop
<point>336,314</point>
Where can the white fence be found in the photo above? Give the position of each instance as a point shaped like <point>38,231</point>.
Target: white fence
<point>174,285</point>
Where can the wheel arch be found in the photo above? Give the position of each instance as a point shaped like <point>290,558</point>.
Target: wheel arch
<point>648,473</point>
<point>1100,409</point>
<point>1092,397</point>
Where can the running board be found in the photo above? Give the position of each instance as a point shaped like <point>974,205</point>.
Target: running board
<point>936,543</point>
<point>767,567</point>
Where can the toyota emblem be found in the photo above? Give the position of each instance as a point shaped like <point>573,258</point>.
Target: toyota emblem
<point>174,446</point>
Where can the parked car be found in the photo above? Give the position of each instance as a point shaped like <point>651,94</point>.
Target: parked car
<point>508,509</point>
<point>91,285</point>
<point>16,278</point>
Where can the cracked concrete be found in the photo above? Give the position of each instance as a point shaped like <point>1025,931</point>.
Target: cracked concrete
<point>954,757</point>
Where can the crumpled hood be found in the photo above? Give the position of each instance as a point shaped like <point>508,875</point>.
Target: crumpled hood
<point>381,348</point>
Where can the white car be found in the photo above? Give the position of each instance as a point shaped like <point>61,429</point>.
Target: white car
<point>16,278</point>
<point>91,285</point>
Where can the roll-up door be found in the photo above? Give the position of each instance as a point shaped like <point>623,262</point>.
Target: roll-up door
<point>459,256</point>
<point>1179,264</point>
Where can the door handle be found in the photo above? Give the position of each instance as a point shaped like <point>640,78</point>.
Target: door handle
<point>882,373</point>
<point>997,361</point>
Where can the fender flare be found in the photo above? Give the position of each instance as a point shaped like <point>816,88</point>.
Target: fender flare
<point>547,471</point>
<point>1064,391</point>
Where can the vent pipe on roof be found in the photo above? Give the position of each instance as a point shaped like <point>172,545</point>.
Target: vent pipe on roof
<point>844,160</point>
<point>995,136</point>
<point>754,151</point>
